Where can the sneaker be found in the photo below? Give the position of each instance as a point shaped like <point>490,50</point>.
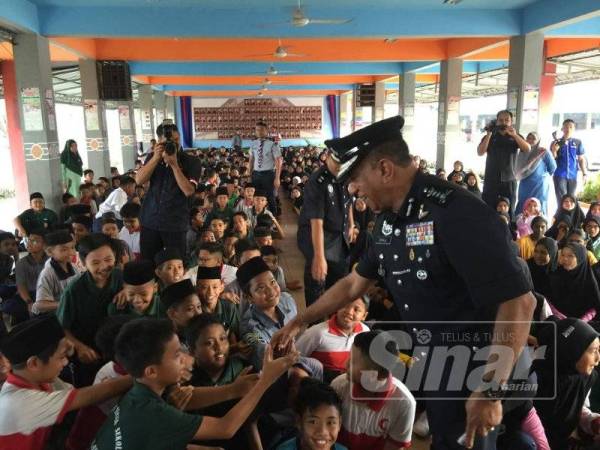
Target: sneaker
<point>421,425</point>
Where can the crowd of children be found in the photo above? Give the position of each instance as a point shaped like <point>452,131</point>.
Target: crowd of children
<point>106,350</point>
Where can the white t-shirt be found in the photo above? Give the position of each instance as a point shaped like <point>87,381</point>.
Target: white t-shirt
<point>131,239</point>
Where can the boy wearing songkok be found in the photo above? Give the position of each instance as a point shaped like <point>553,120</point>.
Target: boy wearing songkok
<point>141,290</point>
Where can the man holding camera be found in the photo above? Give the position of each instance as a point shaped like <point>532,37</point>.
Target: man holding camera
<point>502,144</point>
<point>569,155</point>
<point>265,164</point>
<point>173,177</point>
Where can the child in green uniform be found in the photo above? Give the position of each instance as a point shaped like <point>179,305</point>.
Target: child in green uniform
<point>181,304</point>
<point>169,266</point>
<point>150,351</point>
<point>140,289</point>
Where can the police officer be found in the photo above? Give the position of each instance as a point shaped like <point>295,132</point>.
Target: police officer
<point>265,164</point>
<point>445,257</point>
<point>322,229</point>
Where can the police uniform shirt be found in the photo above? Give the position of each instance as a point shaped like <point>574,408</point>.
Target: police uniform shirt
<point>144,420</point>
<point>165,207</point>
<point>264,154</point>
<point>445,256</point>
<point>326,199</point>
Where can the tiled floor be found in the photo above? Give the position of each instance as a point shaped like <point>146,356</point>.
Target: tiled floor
<point>292,262</point>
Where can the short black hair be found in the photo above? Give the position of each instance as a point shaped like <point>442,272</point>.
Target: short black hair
<point>86,221</point>
<point>243,245</point>
<point>92,242</point>
<point>314,393</point>
<point>504,111</point>
<point>130,210</point>
<point>363,342</point>
<point>197,325</point>
<point>211,247</point>
<point>568,121</point>
<point>126,179</point>
<point>141,343</point>
<point>241,213</point>
<point>44,356</point>
<point>107,334</point>
<point>86,171</point>
<point>6,235</point>
<point>109,219</point>
<point>66,197</point>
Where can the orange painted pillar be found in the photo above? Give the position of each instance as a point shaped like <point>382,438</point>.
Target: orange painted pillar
<point>15,137</point>
<point>547,84</point>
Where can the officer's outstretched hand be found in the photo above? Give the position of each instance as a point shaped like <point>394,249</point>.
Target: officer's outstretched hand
<point>283,338</point>
<point>482,416</point>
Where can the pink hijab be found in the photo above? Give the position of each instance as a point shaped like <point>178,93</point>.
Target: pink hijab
<point>524,219</point>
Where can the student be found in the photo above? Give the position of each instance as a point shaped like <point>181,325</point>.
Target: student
<point>221,210</point>
<point>246,203</point>
<point>27,272</point>
<point>110,228</point>
<point>318,411</point>
<point>151,352</point>
<point>181,304</point>
<point>229,241</point>
<point>38,216</point>
<point>218,226</point>
<point>192,237</point>
<point>33,399</point>
<point>244,249</point>
<point>169,266</point>
<point>86,197</point>
<point>594,209</point>
<point>58,271</point>
<point>241,225</point>
<point>68,200</point>
<point>130,233</point>
<point>591,226</point>
<point>84,302</point>
<point>458,169</point>
<point>81,226</point>
<point>209,287</point>
<point>140,289</point>
<point>560,229</point>
<point>330,342</point>
<point>574,290</point>
<point>570,207</point>
<point>376,414</point>
<point>88,176</point>
<point>269,255</point>
<point>118,198</point>
<point>263,236</point>
<point>503,205</point>
<point>564,381</point>
<point>578,236</point>
<point>211,255</point>
<point>527,242</point>
<point>260,207</point>
<point>531,210</point>
<point>473,184</point>
<point>543,262</point>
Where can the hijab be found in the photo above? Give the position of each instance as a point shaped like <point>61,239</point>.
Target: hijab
<point>553,230</point>
<point>592,240</point>
<point>560,415</point>
<point>540,275</point>
<point>524,220</point>
<point>70,160</point>
<point>574,292</point>
<point>527,162</point>
<point>576,214</point>
<point>589,213</point>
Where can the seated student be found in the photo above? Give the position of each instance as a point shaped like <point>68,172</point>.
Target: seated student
<point>531,209</point>
<point>86,197</point>
<point>58,271</point>
<point>68,200</point>
<point>140,289</point>
<point>33,399</point>
<point>318,411</point>
<point>246,203</point>
<point>150,351</point>
<point>241,225</point>
<point>503,205</point>
<point>564,382</point>
<point>472,181</point>
<point>117,198</point>
<point>578,236</point>
<point>574,290</point>
<point>527,242</point>
<point>110,228</point>
<point>385,422</point>
<point>130,233</point>
<point>211,255</point>
<point>209,287</point>
<point>330,342</point>
<point>263,236</point>
<point>38,216</point>
<point>192,237</point>
<point>9,246</point>
<point>88,176</point>
<point>84,302</point>
<point>115,182</point>
<point>218,226</point>
<point>269,255</point>
<point>260,207</point>
<point>207,235</point>
<point>561,227</point>
<point>81,226</point>
<point>27,272</point>
<point>169,266</point>
<point>221,209</point>
<point>181,303</point>
<point>297,199</point>
<point>543,262</point>
<point>570,207</point>
<point>231,237</point>
<point>245,249</point>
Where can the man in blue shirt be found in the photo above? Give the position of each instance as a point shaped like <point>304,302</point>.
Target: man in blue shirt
<point>569,155</point>
<point>265,164</point>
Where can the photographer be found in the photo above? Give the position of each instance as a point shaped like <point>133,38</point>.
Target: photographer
<point>502,144</point>
<point>569,155</point>
<point>166,209</point>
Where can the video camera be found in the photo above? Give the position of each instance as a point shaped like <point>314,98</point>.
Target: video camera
<point>170,144</point>
<point>493,127</point>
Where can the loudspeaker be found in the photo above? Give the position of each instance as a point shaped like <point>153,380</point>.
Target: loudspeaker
<point>114,80</point>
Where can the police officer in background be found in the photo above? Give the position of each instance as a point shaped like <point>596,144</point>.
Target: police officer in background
<point>322,236</point>
<point>265,164</point>
<point>445,257</point>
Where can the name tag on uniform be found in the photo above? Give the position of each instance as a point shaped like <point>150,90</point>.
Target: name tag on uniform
<point>419,234</point>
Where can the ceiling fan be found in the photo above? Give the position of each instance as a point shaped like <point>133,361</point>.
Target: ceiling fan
<point>300,19</point>
<point>272,71</point>
<point>282,51</point>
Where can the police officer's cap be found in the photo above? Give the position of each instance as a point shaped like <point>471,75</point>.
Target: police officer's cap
<point>352,149</point>
<point>31,338</point>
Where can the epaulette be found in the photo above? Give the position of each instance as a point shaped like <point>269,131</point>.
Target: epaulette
<point>439,195</point>
<point>323,177</point>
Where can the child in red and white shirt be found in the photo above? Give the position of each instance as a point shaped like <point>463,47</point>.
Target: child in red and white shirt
<point>330,342</point>
<point>378,411</point>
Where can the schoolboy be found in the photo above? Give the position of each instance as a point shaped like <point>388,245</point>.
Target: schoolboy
<point>245,249</point>
<point>81,226</point>
<point>140,289</point>
<point>192,236</point>
<point>130,233</point>
<point>378,411</point>
<point>151,352</point>
<point>209,287</point>
<point>58,271</point>
<point>33,399</point>
<point>86,197</point>
<point>84,303</point>
<point>88,176</point>
<point>211,255</point>
<point>221,209</point>
<point>9,246</point>
<point>263,236</point>
<point>118,198</point>
<point>246,203</point>
<point>231,237</point>
<point>331,341</point>
<point>269,255</point>
<point>169,266</point>
<point>38,216</point>
<point>181,304</point>
<point>241,225</point>
<point>110,228</point>
<point>217,226</point>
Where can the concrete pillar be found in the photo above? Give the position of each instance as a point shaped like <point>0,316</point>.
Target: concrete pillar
<point>170,109</point>
<point>345,115</point>
<point>160,104</point>
<point>96,135</point>
<point>448,112</point>
<point>378,112</point>
<point>146,105</point>
<point>128,136</point>
<point>525,67</point>
<point>354,108</point>
<point>406,106</point>
<point>37,119</point>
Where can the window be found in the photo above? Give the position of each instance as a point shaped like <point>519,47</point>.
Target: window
<point>595,122</point>
<point>580,120</point>
<point>556,120</point>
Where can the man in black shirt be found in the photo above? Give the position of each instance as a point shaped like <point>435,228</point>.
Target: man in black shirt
<point>502,144</point>
<point>166,208</point>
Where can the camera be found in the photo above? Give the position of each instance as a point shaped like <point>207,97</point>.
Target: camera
<point>170,144</point>
<point>493,127</point>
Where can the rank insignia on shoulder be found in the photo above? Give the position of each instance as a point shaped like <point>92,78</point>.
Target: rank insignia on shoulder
<point>439,196</point>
